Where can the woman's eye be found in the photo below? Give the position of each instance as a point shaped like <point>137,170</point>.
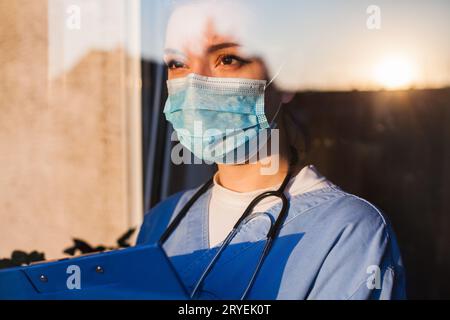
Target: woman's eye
<point>230,60</point>
<point>227,60</point>
<point>174,64</point>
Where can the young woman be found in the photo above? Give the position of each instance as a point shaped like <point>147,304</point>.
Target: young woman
<point>305,238</point>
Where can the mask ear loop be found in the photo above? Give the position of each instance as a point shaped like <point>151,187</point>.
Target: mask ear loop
<point>275,76</point>
<point>273,124</point>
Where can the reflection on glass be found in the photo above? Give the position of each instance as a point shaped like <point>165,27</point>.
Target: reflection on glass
<point>326,45</point>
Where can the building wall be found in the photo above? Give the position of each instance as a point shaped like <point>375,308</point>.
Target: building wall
<point>65,164</point>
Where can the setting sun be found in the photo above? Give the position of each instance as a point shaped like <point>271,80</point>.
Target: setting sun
<point>394,73</point>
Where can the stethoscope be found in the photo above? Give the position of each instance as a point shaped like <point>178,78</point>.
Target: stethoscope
<point>271,235</point>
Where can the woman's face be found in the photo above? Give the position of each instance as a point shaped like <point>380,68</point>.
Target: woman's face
<point>207,40</point>
<point>212,54</point>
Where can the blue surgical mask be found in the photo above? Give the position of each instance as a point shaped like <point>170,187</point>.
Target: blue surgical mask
<point>219,120</point>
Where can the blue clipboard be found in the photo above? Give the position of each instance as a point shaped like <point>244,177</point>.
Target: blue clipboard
<point>136,273</point>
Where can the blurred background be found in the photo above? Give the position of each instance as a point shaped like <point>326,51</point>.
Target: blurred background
<point>85,148</point>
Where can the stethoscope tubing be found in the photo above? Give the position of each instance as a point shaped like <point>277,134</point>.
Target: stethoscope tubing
<point>271,235</point>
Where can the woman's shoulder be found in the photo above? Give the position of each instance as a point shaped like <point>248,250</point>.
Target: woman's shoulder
<point>354,238</point>
<point>343,219</point>
<point>157,219</point>
<point>334,207</point>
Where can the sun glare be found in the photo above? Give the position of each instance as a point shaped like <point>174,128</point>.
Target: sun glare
<point>394,73</point>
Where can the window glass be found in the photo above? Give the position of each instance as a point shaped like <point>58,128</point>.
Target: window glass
<point>86,150</point>
<point>69,92</point>
<point>372,101</point>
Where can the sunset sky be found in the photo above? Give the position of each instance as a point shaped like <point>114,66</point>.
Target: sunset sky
<point>326,45</point>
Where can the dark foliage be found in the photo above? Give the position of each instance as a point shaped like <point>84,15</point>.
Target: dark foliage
<point>20,258</point>
<point>84,248</point>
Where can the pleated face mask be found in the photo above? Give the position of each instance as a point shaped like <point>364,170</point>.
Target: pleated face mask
<point>220,120</point>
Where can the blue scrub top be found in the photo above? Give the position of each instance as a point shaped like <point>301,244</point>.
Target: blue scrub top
<point>332,245</point>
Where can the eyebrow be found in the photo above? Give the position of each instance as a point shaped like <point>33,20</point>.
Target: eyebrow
<point>211,49</point>
<point>220,46</point>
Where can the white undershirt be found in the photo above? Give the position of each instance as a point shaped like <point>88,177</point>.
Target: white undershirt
<point>226,206</point>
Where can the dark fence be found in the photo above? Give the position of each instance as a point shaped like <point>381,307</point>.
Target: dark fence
<point>392,148</point>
